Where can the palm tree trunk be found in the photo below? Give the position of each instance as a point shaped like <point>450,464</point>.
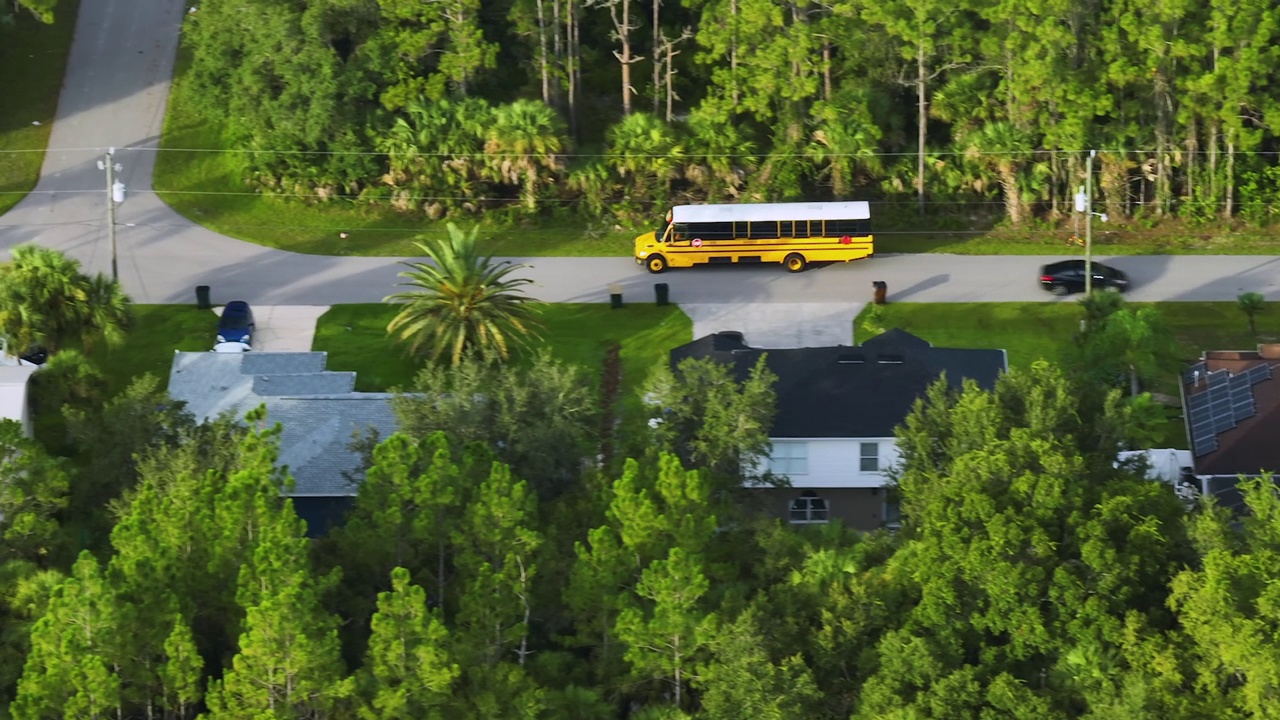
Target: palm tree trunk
<point>1012,200</point>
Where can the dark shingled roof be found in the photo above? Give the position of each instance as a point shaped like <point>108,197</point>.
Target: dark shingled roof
<point>850,392</point>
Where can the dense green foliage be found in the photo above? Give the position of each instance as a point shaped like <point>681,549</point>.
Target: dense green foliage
<point>614,106</point>
<point>45,299</point>
<point>1032,576</point>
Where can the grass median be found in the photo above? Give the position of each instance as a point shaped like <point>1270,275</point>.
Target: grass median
<point>34,58</point>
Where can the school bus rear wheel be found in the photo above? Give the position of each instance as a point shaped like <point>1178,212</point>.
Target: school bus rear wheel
<point>656,264</point>
<point>795,263</point>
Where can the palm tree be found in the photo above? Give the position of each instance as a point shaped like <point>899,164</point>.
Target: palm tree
<point>720,154</point>
<point>843,137</point>
<point>433,150</point>
<point>107,315</point>
<point>1003,148</point>
<point>645,149</point>
<point>523,141</point>
<point>462,302</point>
<point>45,299</point>
<point>1251,303</point>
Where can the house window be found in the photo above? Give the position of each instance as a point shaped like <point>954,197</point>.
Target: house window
<point>808,508</point>
<point>892,515</point>
<point>789,458</point>
<point>869,457</point>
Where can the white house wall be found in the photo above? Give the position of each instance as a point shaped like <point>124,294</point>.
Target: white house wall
<point>836,462</point>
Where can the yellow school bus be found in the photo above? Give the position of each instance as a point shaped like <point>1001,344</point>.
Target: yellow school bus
<point>794,234</point>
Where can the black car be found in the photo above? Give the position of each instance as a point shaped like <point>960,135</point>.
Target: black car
<point>1067,276</point>
<point>236,323</point>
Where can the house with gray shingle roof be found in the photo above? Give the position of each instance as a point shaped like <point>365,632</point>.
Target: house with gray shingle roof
<point>318,409</point>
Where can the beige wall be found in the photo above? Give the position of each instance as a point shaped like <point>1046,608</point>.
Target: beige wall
<point>860,508</point>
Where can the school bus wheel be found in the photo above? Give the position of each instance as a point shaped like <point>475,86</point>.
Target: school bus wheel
<point>794,262</point>
<point>656,264</point>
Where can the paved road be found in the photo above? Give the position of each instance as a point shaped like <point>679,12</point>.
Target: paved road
<point>114,95</point>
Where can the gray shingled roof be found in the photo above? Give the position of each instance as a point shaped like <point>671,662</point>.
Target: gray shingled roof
<point>318,409</point>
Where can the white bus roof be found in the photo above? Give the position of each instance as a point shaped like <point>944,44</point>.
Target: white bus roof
<point>767,212</point>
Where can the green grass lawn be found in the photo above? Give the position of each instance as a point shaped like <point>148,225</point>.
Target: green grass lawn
<point>1033,331</point>
<point>158,332</point>
<point>34,57</point>
<point>355,338</point>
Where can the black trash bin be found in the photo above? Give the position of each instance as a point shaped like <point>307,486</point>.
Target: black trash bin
<point>202,297</point>
<point>615,295</point>
<point>662,292</point>
<point>882,288</point>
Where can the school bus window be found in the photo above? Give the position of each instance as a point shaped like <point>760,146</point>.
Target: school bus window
<point>785,229</point>
<point>717,231</point>
<point>679,232</point>
<point>764,231</point>
<point>740,229</point>
<point>863,227</point>
<point>801,229</point>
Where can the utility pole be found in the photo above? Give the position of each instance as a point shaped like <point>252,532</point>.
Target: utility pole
<point>115,194</point>
<point>111,215</point>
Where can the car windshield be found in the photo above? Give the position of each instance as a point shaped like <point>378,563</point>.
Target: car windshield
<point>235,321</point>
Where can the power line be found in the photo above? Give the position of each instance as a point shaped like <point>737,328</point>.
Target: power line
<point>687,155</point>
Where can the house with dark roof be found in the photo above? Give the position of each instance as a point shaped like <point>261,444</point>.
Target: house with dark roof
<point>837,408</point>
<point>318,409</point>
<point>1231,402</point>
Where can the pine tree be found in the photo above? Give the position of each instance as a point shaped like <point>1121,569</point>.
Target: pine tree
<point>71,668</point>
<point>408,673</point>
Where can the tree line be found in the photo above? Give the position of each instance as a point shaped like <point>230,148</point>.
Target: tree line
<point>484,570</point>
<point>615,107</point>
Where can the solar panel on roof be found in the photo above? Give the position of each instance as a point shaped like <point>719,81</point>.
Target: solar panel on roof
<point>1258,373</point>
<point>1204,445</point>
<point>1198,400</point>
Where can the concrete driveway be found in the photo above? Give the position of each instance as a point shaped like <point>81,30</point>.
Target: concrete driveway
<point>778,325</point>
<point>284,328</point>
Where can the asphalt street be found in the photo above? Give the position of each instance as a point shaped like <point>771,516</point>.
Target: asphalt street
<point>114,95</point>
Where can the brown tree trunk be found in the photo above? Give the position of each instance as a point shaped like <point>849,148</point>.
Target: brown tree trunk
<point>571,63</point>
<point>733,52</point>
<point>1189,191</point>
<point>657,56</point>
<point>1012,199</point>
<point>1213,160</point>
<point>1230,179</point>
<point>542,54</point>
<point>826,69</point>
<point>624,37</point>
<point>922,118</point>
